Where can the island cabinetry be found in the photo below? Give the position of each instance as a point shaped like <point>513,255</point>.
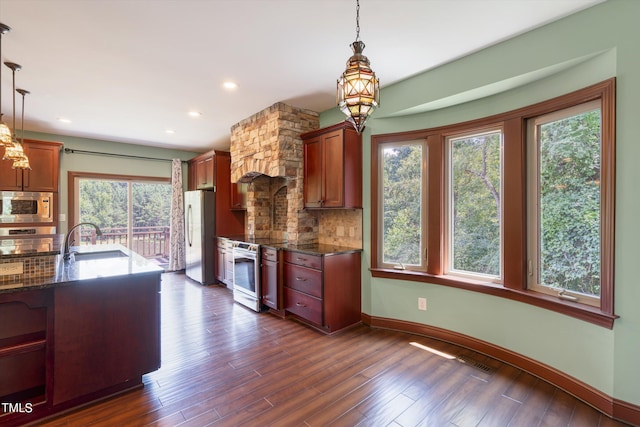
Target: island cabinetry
<point>107,335</point>
<point>25,320</point>
<point>271,271</point>
<point>333,168</point>
<point>44,158</point>
<point>323,290</point>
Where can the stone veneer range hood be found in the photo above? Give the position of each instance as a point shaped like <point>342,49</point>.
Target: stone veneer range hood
<point>266,151</point>
<point>268,143</point>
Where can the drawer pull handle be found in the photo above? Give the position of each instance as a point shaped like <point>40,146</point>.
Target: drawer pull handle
<point>301,259</point>
<point>301,279</point>
<point>299,304</point>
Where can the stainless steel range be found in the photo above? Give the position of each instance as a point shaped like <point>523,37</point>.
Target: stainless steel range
<point>246,274</point>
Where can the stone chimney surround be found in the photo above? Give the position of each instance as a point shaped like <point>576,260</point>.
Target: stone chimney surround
<point>266,151</point>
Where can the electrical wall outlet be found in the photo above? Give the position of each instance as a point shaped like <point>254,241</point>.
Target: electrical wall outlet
<point>422,304</point>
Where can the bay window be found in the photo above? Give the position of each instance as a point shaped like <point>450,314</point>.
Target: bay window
<point>519,205</point>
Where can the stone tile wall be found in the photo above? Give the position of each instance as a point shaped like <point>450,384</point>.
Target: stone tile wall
<point>268,144</point>
<point>341,227</point>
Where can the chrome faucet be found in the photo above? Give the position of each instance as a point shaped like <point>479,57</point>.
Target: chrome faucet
<point>65,254</point>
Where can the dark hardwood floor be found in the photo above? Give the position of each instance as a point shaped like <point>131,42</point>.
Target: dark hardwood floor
<point>225,365</point>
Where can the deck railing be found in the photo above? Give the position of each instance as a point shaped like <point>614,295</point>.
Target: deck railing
<point>150,242</point>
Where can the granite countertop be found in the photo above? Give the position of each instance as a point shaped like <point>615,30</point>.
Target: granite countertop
<point>316,248</point>
<point>309,248</point>
<point>74,271</point>
<point>44,244</point>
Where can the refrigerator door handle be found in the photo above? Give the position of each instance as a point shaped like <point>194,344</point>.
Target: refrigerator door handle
<point>189,227</point>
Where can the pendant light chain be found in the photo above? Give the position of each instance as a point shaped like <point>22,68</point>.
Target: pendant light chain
<point>357,20</point>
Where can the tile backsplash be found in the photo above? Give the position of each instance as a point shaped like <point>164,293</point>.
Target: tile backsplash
<point>341,227</point>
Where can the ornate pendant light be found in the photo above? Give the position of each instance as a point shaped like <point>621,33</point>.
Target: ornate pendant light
<point>358,87</point>
<point>13,150</point>
<point>23,162</point>
<point>5,132</point>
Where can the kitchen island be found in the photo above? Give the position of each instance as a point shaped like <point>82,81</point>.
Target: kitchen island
<point>83,330</point>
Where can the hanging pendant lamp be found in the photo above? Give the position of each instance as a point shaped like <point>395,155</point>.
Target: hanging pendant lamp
<point>23,162</point>
<point>5,132</point>
<point>13,150</point>
<point>358,87</point>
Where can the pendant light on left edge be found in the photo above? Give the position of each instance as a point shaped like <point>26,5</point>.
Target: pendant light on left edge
<point>13,150</point>
<point>23,162</point>
<point>5,132</point>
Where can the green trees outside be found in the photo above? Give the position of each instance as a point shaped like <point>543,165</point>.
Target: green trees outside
<point>402,202</point>
<point>569,211</point>
<point>567,214</point>
<point>105,203</point>
<point>475,206</point>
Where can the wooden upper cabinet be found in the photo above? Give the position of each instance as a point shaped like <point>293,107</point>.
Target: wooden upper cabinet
<point>313,172</point>
<point>333,167</point>
<point>202,172</point>
<point>44,159</point>
<point>239,196</point>
<point>211,171</point>
<point>205,173</point>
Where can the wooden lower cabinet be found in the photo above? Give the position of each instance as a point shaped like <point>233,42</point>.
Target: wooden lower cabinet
<point>323,290</point>
<point>107,334</point>
<point>75,343</point>
<point>271,276</point>
<point>224,261</point>
<point>25,318</point>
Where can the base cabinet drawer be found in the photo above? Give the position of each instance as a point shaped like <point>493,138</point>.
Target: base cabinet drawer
<point>303,279</point>
<point>303,259</point>
<point>303,305</point>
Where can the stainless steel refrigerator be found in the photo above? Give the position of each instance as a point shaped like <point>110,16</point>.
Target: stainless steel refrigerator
<point>199,221</point>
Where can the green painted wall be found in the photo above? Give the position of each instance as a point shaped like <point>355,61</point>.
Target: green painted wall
<point>585,48</point>
<point>110,165</point>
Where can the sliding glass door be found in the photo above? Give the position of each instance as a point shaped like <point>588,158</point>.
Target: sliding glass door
<point>131,211</point>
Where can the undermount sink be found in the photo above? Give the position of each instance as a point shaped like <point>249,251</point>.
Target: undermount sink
<point>80,256</point>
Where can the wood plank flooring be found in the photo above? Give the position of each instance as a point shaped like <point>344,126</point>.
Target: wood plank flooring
<point>224,365</point>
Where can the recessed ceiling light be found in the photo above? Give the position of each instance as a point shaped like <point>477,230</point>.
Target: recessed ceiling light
<point>229,85</point>
<point>170,131</point>
<point>194,113</point>
<point>63,120</point>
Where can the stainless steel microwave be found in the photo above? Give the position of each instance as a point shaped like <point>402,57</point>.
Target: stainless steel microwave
<point>23,206</point>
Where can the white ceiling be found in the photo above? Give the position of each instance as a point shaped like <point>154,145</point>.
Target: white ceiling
<point>127,70</point>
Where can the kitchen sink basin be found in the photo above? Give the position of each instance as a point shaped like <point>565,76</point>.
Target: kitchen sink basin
<point>80,256</point>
